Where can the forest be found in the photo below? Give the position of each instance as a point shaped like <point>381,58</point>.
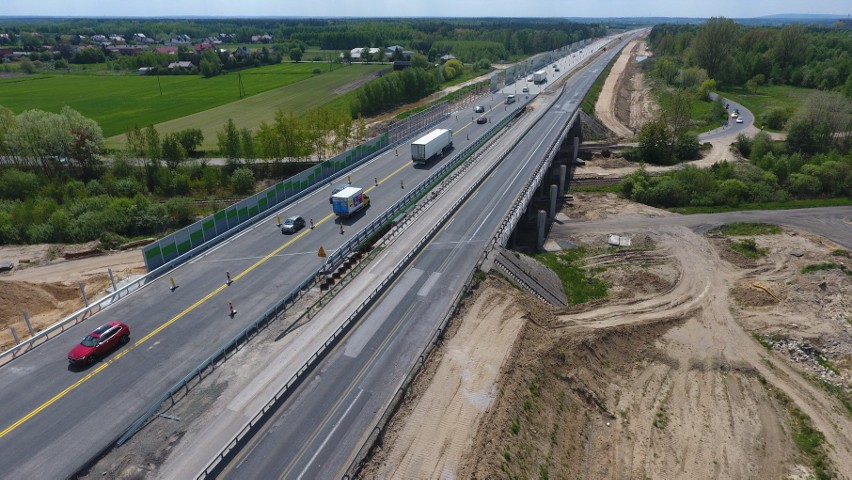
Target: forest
<point>815,159</point>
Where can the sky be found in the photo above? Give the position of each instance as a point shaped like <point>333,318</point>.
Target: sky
<point>421,8</point>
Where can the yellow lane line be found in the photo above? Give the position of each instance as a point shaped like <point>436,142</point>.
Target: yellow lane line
<point>148,337</point>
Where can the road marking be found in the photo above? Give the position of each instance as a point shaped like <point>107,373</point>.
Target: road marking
<point>144,339</point>
<point>331,433</point>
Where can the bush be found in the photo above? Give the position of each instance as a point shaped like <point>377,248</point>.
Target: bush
<point>18,185</point>
<point>243,181</point>
<point>317,71</point>
<point>181,211</point>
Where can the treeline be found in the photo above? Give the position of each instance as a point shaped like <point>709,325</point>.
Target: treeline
<point>50,142</point>
<point>734,54</point>
<point>399,87</point>
<point>467,38</point>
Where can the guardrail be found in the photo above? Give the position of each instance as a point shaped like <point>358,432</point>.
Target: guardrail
<point>522,199</point>
<point>70,321</point>
<point>334,259</point>
<point>285,391</point>
<point>76,317</point>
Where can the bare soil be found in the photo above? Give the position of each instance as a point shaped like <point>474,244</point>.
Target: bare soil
<point>48,287</point>
<point>664,379</point>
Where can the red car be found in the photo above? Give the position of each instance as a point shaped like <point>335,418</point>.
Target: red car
<point>96,344</point>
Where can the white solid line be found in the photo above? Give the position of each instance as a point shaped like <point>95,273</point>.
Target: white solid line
<point>311,461</point>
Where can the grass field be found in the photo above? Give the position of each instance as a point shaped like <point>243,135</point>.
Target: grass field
<point>782,97</point>
<point>119,102</point>
<point>314,91</point>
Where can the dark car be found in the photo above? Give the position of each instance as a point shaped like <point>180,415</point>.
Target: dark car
<point>481,120</point>
<point>292,225</point>
<point>98,343</point>
<point>337,189</point>
<point>479,109</point>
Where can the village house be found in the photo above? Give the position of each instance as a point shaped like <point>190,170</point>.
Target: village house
<point>180,65</point>
<point>180,39</point>
<point>167,50</point>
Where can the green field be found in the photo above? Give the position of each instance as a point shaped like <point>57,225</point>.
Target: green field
<point>783,97</point>
<point>118,103</point>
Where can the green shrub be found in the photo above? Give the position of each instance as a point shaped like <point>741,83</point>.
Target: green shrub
<point>18,185</point>
<point>243,181</point>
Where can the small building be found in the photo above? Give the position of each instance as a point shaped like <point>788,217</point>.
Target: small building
<point>401,64</point>
<point>167,50</point>
<point>446,58</point>
<point>180,39</point>
<point>261,38</point>
<point>180,65</point>
<point>144,70</point>
<point>200,47</point>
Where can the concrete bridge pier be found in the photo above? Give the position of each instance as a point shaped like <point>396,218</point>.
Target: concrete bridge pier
<point>542,222</point>
<point>553,191</point>
<point>562,170</point>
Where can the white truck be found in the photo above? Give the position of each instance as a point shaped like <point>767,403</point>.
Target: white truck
<point>540,76</point>
<point>348,201</point>
<point>433,143</point>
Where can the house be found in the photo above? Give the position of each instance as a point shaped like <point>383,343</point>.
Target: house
<point>167,50</point>
<point>446,58</point>
<point>127,49</point>
<point>102,39</point>
<point>144,70</point>
<point>242,51</point>
<point>6,53</point>
<point>226,37</point>
<point>180,39</point>
<point>117,39</point>
<point>213,40</point>
<point>356,53</point>
<point>200,47</point>
<point>139,37</point>
<point>180,65</point>
<point>401,64</point>
<point>261,38</point>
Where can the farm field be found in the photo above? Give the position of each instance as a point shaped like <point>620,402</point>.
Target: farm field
<point>119,102</point>
<point>249,112</point>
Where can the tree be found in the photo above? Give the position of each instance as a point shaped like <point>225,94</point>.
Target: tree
<point>190,139</point>
<point>790,46</point>
<point>173,151</point>
<point>152,143</point>
<point>715,44</point>
<point>296,54</point>
<point>654,146</point>
<point>229,141</point>
<point>243,180</point>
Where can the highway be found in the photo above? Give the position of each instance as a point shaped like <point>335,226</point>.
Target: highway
<point>54,418</point>
<point>318,432</point>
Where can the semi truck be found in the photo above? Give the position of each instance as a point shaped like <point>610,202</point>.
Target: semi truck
<point>348,201</point>
<point>540,76</point>
<point>433,143</point>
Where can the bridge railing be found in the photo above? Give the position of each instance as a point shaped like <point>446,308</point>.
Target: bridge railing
<point>338,256</point>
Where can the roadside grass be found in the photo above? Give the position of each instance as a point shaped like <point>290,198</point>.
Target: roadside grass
<point>782,97</point>
<point>579,284</point>
<point>594,92</point>
<point>840,393</point>
<point>786,205</point>
<point>816,267</point>
<point>748,248</point>
<point>117,102</point>
<point>746,228</point>
<point>811,442</point>
<point>597,188</point>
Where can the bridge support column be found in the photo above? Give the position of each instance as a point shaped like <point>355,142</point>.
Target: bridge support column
<point>553,189</point>
<point>542,221</point>
<point>576,149</point>
<point>562,170</point>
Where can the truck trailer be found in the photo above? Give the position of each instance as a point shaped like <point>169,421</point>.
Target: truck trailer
<point>348,201</point>
<point>540,77</point>
<point>433,143</point>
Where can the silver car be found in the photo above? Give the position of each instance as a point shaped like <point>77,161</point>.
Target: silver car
<point>293,224</point>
